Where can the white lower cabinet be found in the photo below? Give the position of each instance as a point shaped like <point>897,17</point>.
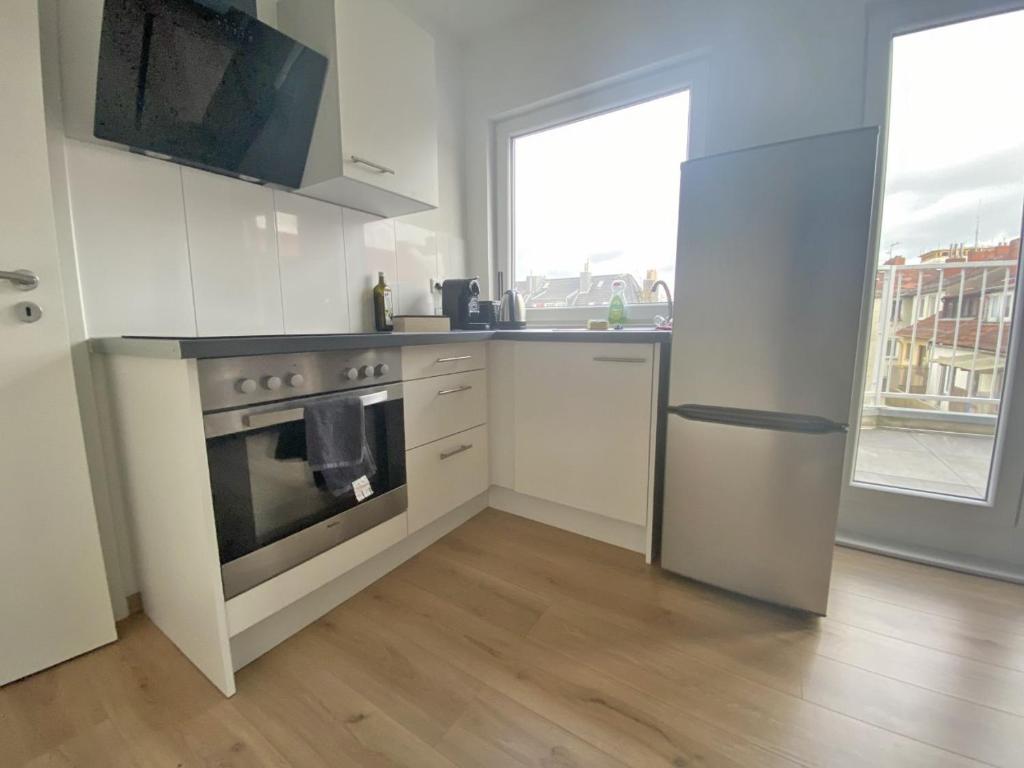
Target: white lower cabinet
<point>441,359</point>
<point>448,454</point>
<point>583,425</point>
<point>443,405</point>
<point>444,474</point>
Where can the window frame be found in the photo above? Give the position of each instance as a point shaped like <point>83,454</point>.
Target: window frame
<point>663,79</point>
<point>875,506</point>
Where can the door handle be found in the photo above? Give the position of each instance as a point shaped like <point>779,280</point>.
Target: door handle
<point>455,390</point>
<point>272,418</point>
<point>620,359</point>
<point>771,420</point>
<point>370,164</point>
<point>23,279</point>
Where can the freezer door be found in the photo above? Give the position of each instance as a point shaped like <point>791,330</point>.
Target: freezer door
<point>771,271</point>
<point>753,510</point>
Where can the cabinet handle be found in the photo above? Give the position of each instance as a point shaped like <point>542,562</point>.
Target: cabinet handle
<point>455,390</point>
<point>620,359</point>
<point>454,359</point>
<point>370,164</point>
<point>455,451</point>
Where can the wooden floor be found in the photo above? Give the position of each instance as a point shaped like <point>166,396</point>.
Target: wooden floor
<point>508,643</point>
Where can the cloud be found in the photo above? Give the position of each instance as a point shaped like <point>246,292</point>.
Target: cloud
<point>1002,168</point>
<point>931,209</point>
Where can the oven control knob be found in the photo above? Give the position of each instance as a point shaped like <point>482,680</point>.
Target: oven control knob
<point>381,369</point>
<point>246,386</point>
<point>272,382</point>
<point>366,371</point>
<point>350,373</point>
<point>295,380</point>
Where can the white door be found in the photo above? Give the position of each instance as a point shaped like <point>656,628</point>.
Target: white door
<point>54,602</point>
<point>939,459</point>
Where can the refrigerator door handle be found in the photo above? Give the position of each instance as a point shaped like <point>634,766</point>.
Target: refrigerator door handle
<point>773,420</point>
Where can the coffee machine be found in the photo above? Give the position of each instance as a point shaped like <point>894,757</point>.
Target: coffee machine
<point>461,303</point>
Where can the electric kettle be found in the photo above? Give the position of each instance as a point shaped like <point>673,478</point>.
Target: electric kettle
<point>512,310</point>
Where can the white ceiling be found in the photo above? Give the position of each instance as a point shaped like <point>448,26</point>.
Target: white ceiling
<point>463,19</point>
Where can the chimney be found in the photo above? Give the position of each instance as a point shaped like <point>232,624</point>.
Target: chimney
<point>647,292</point>
<point>585,278</point>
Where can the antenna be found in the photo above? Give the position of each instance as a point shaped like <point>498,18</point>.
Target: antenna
<point>977,224</point>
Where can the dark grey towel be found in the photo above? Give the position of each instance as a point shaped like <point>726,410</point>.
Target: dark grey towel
<point>336,443</point>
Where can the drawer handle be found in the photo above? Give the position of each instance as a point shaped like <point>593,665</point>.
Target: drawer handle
<point>455,390</point>
<point>370,164</point>
<point>620,359</point>
<point>454,359</point>
<point>455,451</point>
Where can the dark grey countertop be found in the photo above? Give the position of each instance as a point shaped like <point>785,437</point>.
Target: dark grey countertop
<point>241,346</point>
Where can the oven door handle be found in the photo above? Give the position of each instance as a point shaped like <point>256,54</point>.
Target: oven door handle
<point>272,418</point>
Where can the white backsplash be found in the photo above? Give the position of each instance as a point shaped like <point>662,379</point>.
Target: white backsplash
<point>417,269</point>
<point>369,248</point>
<point>170,251</point>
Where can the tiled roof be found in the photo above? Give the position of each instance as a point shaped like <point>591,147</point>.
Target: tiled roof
<point>966,337</point>
<point>565,291</point>
<point>976,258</point>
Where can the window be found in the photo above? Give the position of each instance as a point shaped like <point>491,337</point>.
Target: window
<point>587,194</point>
<point>999,306</point>
<point>952,200</point>
<point>596,200</point>
<point>927,307</point>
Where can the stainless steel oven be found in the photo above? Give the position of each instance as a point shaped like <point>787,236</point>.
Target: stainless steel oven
<point>272,511</point>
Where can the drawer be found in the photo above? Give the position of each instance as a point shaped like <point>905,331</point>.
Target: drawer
<point>444,474</point>
<point>439,359</point>
<point>443,405</point>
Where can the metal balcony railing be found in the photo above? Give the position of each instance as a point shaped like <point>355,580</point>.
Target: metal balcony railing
<point>940,339</point>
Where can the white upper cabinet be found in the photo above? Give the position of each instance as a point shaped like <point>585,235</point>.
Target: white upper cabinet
<point>233,245</point>
<point>130,242</point>
<point>311,249</point>
<point>374,146</point>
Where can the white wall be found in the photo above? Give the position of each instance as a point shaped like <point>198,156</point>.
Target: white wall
<point>775,70</point>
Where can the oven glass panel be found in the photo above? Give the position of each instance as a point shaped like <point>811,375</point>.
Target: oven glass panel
<point>264,490</point>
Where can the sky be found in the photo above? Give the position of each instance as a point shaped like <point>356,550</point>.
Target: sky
<point>606,187</point>
<point>956,137</point>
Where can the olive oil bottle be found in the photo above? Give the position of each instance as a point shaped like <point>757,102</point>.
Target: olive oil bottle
<point>383,305</point>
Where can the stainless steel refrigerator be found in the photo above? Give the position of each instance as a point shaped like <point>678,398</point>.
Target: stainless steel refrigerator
<point>772,267</point>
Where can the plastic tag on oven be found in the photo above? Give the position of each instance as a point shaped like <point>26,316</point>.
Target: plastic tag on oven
<point>362,488</point>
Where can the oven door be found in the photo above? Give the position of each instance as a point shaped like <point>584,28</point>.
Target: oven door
<point>271,510</point>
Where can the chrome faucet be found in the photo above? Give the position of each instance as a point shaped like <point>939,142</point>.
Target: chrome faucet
<point>668,295</point>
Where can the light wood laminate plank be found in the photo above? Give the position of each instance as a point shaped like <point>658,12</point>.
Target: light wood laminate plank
<point>508,643</point>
